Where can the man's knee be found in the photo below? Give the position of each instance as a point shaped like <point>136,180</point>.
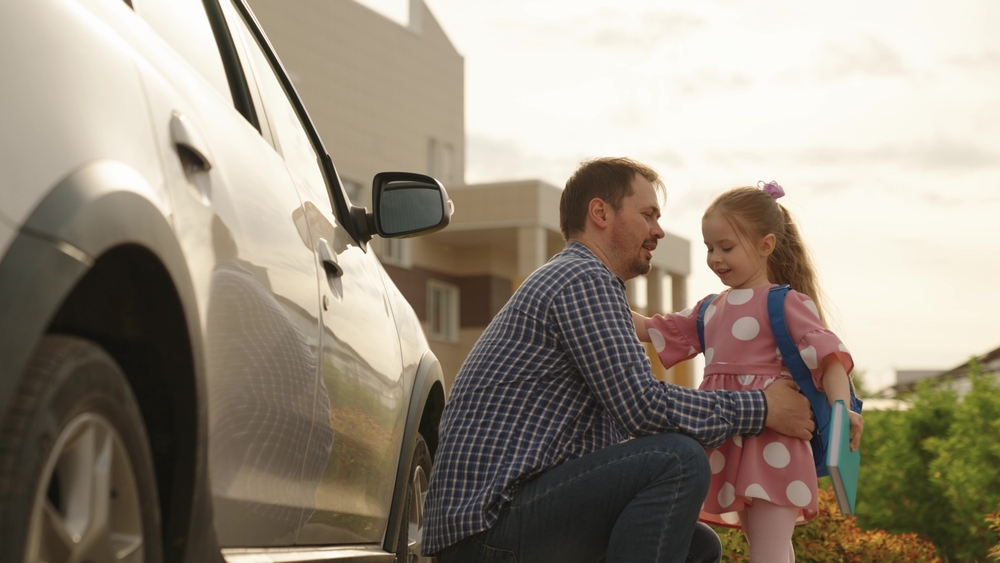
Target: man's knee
<point>686,456</point>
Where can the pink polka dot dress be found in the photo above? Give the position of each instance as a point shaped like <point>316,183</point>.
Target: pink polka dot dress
<point>740,354</point>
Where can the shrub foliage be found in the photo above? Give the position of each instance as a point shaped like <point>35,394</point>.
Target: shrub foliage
<point>929,485</point>
<point>993,520</point>
<point>933,470</point>
<point>834,538</point>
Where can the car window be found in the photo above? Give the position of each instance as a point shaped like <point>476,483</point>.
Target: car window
<point>289,134</point>
<point>184,25</point>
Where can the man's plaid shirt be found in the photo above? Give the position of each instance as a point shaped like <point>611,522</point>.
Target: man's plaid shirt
<point>558,374</point>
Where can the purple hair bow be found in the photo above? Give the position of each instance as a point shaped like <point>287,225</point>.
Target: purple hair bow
<point>772,188</point>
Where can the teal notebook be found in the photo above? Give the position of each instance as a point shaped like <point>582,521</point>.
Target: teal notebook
<point>843,463</point>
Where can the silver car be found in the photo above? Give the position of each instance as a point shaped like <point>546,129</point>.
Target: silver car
<point>201,359</point>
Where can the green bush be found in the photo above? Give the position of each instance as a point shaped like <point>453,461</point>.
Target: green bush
<point>895,490</point>
<point>932,470</point>
<point>993,520</point>
<point>834,538</point>
<point>927,472</point>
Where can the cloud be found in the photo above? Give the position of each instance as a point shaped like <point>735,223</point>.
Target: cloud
<point>490,159</point>
<point>942,154</point>
<point>739,157</point>
<point>986,60</point>
<point>627,116</point>
<point>711,80</point>
<point>613,31</point>
<point>868,56</point>
<point>665,158</point>
<point>654,28</point>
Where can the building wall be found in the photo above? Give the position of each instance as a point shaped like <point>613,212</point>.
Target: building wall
<point>378,92</point>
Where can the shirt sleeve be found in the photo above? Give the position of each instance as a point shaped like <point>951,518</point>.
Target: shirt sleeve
<point>591,320</point>
<point>814,341</point>
<point>675,335</point>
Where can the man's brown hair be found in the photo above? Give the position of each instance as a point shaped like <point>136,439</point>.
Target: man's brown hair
<point>607,178</point>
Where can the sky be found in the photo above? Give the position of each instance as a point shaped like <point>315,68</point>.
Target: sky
<point>880,119</point>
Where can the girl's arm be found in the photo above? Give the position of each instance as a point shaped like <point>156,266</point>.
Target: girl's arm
<point>673,336</point>
<point>837,386</point>
<point>640,327</point>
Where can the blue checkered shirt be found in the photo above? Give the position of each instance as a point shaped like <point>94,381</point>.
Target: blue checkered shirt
<point>558,374</point>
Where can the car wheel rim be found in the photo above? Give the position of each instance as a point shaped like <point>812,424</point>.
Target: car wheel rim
<point>416,523</point>
<point>87,506</point>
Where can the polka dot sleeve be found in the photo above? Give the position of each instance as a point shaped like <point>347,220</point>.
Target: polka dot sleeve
<point>675,336</point>
<point>814,340</point>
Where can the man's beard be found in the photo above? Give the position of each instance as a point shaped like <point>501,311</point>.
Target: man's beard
<point>638,267</point>
<point>631,265</point>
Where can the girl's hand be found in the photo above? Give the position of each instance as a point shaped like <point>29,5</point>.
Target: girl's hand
<point>857,427</point>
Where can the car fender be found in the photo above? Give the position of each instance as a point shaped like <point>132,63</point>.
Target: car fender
<point>428,374</point>
<point>97,207</point>
<point>100,206</point>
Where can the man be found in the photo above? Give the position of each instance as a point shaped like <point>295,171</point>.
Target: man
<point>535,463</point>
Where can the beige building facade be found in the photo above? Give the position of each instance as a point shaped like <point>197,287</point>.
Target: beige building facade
<point>386,96</point>
<point>383,96</point>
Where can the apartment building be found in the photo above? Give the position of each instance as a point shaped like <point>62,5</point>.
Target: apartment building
<point>387,96</point>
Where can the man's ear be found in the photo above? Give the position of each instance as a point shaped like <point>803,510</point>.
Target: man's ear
<point>598,211</point>
<point>767,244</point>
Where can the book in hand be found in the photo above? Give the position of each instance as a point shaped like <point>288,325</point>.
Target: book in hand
<point>843,463</point>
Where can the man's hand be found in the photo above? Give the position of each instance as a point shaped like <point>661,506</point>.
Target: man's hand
<point>788,410</point>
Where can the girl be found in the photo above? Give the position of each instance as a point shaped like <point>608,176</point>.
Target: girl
<point>763,484</point>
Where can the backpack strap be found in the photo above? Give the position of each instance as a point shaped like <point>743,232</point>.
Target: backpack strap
<point>800,373</point>
<point>701,319</point>
<point>789,351</point>
<point>779,327</point>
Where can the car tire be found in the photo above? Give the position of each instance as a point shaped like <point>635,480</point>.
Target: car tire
<point>411,530</point>
<point>76,475</point>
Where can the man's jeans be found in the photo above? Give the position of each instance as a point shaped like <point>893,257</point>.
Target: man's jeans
<point>637,501</point>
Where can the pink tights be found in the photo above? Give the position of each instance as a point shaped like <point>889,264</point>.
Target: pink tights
<point>768,528</point>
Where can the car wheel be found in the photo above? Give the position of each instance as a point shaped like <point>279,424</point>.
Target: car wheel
<point>76,473</point>
<point>412,529</point>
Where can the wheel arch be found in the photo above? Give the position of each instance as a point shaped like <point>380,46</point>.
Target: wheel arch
<point>101,242</point>
<point>426,405</point>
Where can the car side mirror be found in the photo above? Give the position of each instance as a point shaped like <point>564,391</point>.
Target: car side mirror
<point>404,204</point>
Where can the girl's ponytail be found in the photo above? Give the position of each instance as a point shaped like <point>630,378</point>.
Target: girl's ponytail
<point>790,262</point>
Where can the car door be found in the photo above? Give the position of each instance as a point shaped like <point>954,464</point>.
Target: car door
<point>361,363</point>
<point>238,217</point>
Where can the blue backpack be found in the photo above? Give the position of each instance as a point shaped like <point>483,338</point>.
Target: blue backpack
<point>800,372</point>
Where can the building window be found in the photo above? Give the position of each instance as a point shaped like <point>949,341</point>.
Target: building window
<point>442,311</point>
<point>396,252</point>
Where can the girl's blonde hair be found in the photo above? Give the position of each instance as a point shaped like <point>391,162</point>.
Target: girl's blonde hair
<point>755,214</point>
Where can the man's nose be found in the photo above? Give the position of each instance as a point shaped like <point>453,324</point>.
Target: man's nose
<point>657,230</point>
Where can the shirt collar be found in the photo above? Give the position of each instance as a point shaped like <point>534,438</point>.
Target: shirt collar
<point>577,249</point>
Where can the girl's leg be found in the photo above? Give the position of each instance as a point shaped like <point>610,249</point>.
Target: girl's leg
<point>769,528</point>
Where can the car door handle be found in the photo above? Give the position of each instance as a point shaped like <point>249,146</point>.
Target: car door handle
<point>191,147</point>
<point>329,259</point>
